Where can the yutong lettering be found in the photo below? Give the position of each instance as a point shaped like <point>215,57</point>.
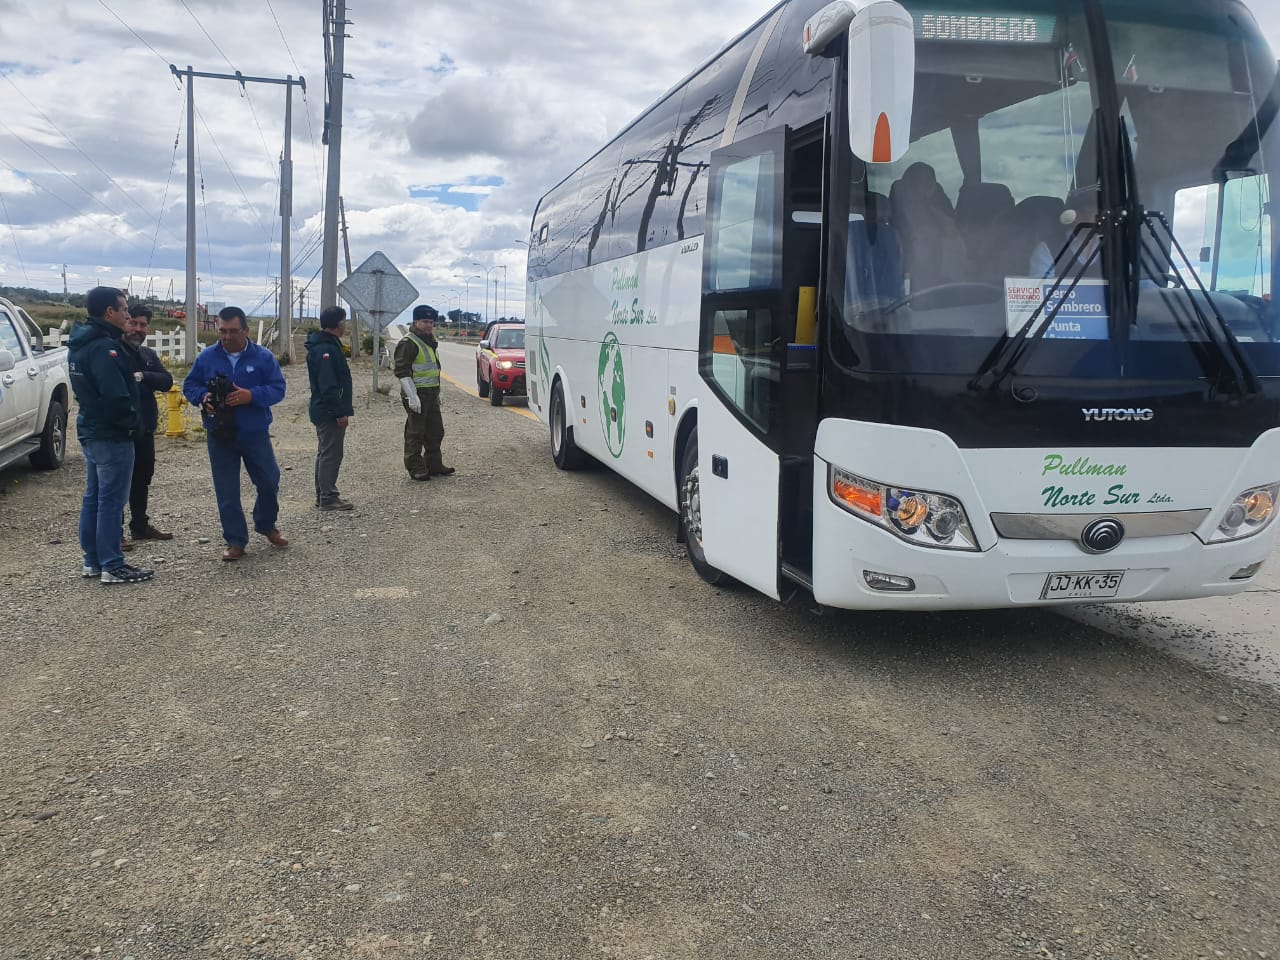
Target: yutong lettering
<point>1118,414</point>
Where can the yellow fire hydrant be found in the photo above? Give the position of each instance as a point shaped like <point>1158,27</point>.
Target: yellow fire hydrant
<point>176,426</point>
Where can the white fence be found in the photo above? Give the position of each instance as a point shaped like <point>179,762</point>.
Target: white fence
<point>169,345</point>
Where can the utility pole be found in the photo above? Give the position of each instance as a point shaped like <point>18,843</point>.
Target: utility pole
<point>286,197</point>
<point>333,137</point>
<point>65,292</point>
<point>346,249</point>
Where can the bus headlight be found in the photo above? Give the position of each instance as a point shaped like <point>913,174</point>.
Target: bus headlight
<point>1249,513</point>
<point>918,516</point>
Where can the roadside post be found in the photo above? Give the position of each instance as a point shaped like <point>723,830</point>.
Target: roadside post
<point>377,288</point>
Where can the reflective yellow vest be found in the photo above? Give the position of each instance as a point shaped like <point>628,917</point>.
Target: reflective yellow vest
<point>426,366</point>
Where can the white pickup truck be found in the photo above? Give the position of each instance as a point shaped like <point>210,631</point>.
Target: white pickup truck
<point>34,392</point>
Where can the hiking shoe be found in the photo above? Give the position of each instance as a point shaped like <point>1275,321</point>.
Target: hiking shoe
<point>275,538</point>
<point>151,533</point>
<point>126,574</point>
<point>337,503</point>
<point>233,552</point>
<point>89,571</point>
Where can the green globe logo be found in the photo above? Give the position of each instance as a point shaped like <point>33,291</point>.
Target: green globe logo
<point>613,395</point>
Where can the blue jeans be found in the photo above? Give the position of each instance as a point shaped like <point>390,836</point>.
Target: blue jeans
<point>260,462</point>
<point>108,472</point>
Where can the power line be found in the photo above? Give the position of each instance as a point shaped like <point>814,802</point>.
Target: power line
<point>75,145</point>
<point>182,112</point>
<point>234,179</point>
<point>204,206</point>
<point>244,91</point>
<point>163,59</point>
<point>206,33</point>
<point>13,233</point>
<point>65,176</point>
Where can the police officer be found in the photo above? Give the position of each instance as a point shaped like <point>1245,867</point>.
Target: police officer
<point>417,366</point>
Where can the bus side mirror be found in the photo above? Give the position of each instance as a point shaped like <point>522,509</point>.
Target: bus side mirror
<point>882,81</point>
<point>882,71</point>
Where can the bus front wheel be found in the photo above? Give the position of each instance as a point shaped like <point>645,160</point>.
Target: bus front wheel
<point>691,513</point>
<point>564,451</point>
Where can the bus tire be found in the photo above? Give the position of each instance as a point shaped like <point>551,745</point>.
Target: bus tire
<point>564,451</point>
<point>691,514</point>
<point>482,385</point>
<point>495,395</point>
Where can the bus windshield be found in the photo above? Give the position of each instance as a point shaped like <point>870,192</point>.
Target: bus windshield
<point>960,242</point>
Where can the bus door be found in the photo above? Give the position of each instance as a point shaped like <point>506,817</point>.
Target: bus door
<point>748,319</point>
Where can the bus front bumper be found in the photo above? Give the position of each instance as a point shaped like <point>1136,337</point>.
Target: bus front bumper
<point>849,554</point>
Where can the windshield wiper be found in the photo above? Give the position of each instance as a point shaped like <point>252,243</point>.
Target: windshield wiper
<point>1012,348</point>
<point>1209,321</point>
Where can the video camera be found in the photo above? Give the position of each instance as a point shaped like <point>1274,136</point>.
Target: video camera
<point>222,421</point>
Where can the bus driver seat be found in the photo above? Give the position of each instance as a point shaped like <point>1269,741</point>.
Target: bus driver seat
<point>933,251</point>
<point>874,260</point>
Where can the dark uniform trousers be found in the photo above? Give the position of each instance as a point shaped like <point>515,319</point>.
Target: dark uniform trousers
<point>144,469</point>
<point>423,433</point>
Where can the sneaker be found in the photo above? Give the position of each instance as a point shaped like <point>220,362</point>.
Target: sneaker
<point>419,476</point>
<point>337,503</point>
<point>126,574</point>
<point>88,571</point>
<point>443,472</point>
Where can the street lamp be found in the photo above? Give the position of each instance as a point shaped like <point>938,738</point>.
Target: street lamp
<point>468,290</point>
<point>486,285</point>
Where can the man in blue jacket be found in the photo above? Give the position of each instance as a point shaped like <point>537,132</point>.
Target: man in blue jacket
<point>235,384</point>
<point>151,376</point>
<point>331,407</point>
<point>107,421</point>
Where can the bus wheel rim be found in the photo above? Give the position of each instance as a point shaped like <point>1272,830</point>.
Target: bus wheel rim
<point>693,506</point>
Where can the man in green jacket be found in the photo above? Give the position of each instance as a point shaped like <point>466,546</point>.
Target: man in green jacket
<point>108,420</point>
<point>417,366</point>
<point>331,407</point>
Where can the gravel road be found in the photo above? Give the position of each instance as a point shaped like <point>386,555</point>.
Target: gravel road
<point>497,716</point>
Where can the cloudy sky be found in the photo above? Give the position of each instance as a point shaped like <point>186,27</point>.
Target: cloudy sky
<point>458,117</point>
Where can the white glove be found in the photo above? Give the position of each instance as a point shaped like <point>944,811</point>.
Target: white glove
<point>410,391</point>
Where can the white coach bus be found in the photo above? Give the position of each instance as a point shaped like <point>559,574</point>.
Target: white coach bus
<point>936,304</point>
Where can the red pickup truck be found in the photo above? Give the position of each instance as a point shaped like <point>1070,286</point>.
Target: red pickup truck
<point>500,362</point>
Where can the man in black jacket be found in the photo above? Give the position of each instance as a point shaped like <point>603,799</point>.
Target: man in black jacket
<point>107,394</point>
<point>331,407</point>
<point>151,376</point>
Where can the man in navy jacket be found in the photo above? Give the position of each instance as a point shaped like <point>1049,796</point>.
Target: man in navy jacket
<point>107,395</point>
<point>331,408</point>
<point>255,386</point>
